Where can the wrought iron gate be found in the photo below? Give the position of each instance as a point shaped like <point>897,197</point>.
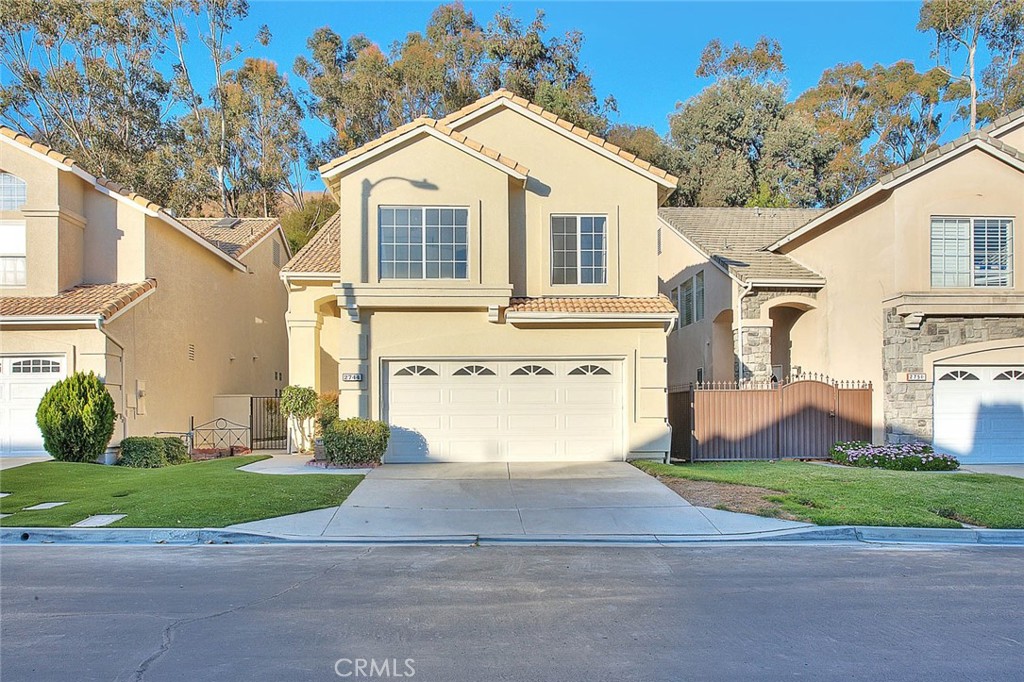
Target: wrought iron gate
<point>268,426</point>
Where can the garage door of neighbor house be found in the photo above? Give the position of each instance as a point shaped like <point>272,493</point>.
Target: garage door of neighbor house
<point>500,410</point>
<point>979,413</point>
<point>23,381</point>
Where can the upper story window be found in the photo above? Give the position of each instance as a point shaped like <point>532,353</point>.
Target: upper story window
<point>12,192</point>
<point>12,253</point>
<point>972,252</point>
<point>423,242</point>
<point>579,249</point>
<point>688,298</point>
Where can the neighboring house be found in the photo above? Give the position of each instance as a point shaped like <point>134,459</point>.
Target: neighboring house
<point>913,284</point>
<point>489,287</point>
<point>168,312</point>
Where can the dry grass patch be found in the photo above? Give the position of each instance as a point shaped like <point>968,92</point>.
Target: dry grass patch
<point>746,499</point>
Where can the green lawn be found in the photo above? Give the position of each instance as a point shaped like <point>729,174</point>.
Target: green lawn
<point>198,495</point>
<point>870,497</point>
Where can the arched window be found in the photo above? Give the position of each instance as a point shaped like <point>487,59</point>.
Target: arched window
<point>473,371</point>
<point>12,192</point>
<point>1011,375</point>
<point>35,366</point>
<point>586,370</point>
<point>532,370</point>
<point>415,371</point>
<point>958,375</point>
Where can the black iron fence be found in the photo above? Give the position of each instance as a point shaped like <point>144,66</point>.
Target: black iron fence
<point>267,425</point>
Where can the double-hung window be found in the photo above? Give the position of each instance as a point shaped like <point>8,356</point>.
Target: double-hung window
<point>423,242</point>
<point>12,192</point>
<point>579,249</point>
<point>971,252</point>
<point>12,253</point>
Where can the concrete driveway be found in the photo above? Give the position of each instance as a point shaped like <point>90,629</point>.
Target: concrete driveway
<point>513,499</point>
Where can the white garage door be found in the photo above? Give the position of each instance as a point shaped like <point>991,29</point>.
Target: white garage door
<point>979,413</point>
<point>23,381</point>
<point>485,410</point>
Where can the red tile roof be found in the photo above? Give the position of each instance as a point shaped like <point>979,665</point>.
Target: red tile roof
<point>598,305</point>
<point>322,254</point>
<point>102,300</point>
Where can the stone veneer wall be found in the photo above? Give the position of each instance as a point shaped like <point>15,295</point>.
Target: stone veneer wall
<point>908,406</point>
<point>757,340</point>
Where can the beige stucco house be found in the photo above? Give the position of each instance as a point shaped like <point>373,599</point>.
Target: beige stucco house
<point>168,312</point>
<point>489,287</point>
<point>914,284</point>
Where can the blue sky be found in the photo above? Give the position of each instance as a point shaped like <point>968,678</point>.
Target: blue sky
<point>643,53</point>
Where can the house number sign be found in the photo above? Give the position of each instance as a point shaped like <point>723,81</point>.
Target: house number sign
<point>354,376</point>
<point>917,376</point>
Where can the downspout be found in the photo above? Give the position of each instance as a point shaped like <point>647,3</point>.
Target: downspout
<point>124,421</point>
<point>739,328</point>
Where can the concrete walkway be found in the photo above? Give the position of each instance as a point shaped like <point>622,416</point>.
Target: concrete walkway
<point>514,500</point>
<point>290,465</point>
<point>11,462</point>
<point>1015,470</point>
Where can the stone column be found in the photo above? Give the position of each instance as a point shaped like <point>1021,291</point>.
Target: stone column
<point>756,346</point>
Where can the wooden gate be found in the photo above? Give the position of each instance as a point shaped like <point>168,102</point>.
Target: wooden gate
<point>801,418</point>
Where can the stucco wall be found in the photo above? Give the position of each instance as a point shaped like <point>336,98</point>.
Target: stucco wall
<point>568,177</point>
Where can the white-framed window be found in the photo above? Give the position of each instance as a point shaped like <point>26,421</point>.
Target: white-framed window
<point>12,253</point>
<point>688,298</point>
<point>12,192</point>
<point>971,252</point>
<point>423,242</point>
<point>579,249</point>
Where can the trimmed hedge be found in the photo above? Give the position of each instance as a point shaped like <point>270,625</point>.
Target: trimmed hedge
<point>76,417</point>
<point>349,442</point>
<point>900,457</point>
<point>152,452</point>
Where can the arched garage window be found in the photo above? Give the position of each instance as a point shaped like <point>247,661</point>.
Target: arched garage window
<point>587,370</point>
<point>958,375</point>
<point>35,366</point>
<point>532,370</point>
<point>415,371</point>
<point>1011,375</point>
<point>473,371</point>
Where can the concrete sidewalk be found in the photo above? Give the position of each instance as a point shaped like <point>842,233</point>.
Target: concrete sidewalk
<point>513,500</point>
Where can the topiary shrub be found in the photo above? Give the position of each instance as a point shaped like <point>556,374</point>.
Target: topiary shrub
<point>900,457</point>
<point>300,403</point>
<point>349,442</point>
<point>175,450</point>
<point>143,452</point>
<point>76,417</point>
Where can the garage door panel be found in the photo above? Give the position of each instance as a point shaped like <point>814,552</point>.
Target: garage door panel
<point>979,420</point>
<point>546,414</point>
<point>20,393</point>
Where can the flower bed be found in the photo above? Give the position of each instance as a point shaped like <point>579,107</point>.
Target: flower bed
<point>901,457</point>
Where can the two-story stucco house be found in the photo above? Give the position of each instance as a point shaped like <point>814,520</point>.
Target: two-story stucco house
<point>913,284</point>
<point>168,312</point>
<point>489,287</point>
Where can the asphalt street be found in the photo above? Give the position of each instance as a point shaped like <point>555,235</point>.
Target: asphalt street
<point>511,613</point>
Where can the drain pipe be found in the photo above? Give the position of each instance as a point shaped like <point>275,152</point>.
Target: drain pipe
<point>739,328</point>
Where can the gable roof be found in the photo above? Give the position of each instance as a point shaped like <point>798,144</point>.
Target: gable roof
<point>321,256</point>
<point>523,105</point>
<point>435,129</point>
<point>116,190</point>
<point>1005,122</point>
<point>84,302</point>
<point>976,139</point>
<point>235,240</point>
<point>736,239</point>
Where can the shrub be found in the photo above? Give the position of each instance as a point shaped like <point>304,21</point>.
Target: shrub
<point>175,450</point>
<point>326,411</point>
<point>76,417</point>
<point>143,452</point>
<point>901,457</point>
<point>300,404</point>
<point>356,441</point>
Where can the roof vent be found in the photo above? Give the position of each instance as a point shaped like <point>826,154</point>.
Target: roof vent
<point>227,222</point>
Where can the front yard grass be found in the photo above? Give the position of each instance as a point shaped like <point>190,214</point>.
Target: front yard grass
<point>835,496</point>
<point>198,495</point>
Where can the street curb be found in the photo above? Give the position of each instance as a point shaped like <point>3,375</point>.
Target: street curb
<point>213,536</point>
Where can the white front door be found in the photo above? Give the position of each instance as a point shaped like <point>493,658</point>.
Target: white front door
<point>501,410</point>
<point>23,381</point>
<point>979,413</point>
